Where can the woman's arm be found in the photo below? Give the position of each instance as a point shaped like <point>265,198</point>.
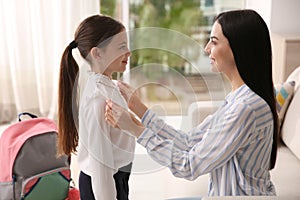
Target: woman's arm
<point>219,143</point>
<point>217,146</point>
<point>118,117</point>
<point>181,139</point>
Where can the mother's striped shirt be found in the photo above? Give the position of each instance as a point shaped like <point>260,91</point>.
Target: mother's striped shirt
<point>233,145</point>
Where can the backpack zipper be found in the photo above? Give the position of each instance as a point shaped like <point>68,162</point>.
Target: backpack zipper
<point>40,175</point>
<point>14,183</point>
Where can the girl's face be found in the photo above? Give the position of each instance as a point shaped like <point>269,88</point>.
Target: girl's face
<point>220,53</point>
<point>115,55</point>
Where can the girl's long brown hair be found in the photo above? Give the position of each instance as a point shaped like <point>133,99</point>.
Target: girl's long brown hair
<point>90,33</point>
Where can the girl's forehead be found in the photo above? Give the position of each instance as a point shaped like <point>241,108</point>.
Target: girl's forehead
<point>120,37</point>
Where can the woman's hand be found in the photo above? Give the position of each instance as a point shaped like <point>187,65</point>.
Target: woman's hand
<point>133,100</point>
<point>129,93</point>
<point>118,117</point>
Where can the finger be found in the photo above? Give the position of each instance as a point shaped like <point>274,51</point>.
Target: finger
<point>107,112</point>
<point>111,113</point>
<point>107,108</point>
<point>124,87</point>
<point>109,103</point>
<point>122,84</point>
<point>111,121</point>
<point>123,90</point>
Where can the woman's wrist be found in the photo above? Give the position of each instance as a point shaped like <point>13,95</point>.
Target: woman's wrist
<point>138,131</point>
<point>138,107</point>
<point>137,127</point>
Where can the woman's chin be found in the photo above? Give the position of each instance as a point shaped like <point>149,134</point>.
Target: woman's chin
<point>214,69</point>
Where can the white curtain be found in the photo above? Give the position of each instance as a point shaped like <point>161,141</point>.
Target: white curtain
<point>33,36</point>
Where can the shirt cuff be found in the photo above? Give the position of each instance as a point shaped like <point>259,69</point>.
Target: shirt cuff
<point>145,137</point>
<point>148,117</point>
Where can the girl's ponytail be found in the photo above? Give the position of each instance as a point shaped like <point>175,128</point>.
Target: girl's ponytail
<point>67,121</point>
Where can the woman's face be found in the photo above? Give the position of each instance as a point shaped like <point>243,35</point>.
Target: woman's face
<point>115,54</point>
<point>220,53</point>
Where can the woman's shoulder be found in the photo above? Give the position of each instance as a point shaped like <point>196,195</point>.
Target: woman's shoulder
<point>247,100</point>
<point>256,103</point>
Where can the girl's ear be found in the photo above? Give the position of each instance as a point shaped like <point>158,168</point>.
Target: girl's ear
<point>96,53</point>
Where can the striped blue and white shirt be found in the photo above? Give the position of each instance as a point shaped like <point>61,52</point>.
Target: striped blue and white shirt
<point>233,145</point>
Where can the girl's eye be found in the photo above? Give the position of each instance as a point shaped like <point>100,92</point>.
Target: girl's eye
<point>123,47</point>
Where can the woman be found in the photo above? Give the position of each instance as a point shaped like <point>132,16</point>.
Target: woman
<point>104,154</point>
<point>237,144</point>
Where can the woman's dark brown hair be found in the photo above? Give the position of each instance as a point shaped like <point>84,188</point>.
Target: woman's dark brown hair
<point>90,33</point>
<point>249,39</point>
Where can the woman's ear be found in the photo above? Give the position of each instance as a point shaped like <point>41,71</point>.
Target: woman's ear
<point>96,53</point>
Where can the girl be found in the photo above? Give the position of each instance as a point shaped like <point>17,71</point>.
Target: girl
<point>104,154</point>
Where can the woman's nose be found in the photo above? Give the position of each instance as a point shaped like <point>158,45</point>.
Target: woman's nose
<point>207,49</point>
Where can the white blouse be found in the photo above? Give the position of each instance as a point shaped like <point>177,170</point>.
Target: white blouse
<point>102,149</point>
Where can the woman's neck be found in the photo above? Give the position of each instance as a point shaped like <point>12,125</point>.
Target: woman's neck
<point>236,80</point>
<point>235,84</point>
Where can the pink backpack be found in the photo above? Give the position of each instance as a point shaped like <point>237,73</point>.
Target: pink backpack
<point>29,167</point>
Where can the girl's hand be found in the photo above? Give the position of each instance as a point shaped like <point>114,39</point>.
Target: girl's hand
<point>118,117</point>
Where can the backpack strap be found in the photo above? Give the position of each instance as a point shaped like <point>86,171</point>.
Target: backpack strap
<point>26,113</point>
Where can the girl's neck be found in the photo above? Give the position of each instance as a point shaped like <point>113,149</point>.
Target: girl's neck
<point>108,75</point>
<point>98,71</point>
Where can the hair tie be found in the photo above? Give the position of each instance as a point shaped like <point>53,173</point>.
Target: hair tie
<point>73,44</point>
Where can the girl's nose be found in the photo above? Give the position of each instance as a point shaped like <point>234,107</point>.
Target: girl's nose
<point>128,53</point>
